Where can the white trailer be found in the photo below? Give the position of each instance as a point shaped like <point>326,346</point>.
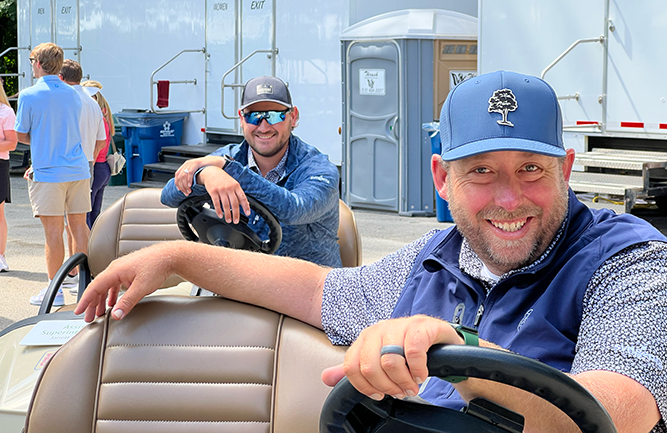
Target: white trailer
<point>604,59</point>
<point>206,49</point>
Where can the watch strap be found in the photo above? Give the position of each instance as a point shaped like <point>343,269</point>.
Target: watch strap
<point>471,338</point>
<point>469,335</point>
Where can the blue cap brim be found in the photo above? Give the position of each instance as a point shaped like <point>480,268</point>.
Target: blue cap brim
<point>500,144</point>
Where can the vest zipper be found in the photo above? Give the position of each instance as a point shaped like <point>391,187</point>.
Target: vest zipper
<point>480,313</point>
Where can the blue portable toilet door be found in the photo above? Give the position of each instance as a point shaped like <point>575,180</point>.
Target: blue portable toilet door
<point>373,133</point>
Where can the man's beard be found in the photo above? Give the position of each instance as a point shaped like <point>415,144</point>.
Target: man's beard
<point>270,152</point>
<point>509,254</point>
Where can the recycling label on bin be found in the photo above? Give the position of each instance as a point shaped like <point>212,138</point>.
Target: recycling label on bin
<point>166,130</point>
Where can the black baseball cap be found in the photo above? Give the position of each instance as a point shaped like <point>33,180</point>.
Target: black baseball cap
<point>265,89</point>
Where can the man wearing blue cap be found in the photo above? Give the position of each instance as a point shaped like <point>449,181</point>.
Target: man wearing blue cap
<point>293,179</point>
<point>527,268</point>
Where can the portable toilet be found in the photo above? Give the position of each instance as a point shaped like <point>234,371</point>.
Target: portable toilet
<point>397,70</point>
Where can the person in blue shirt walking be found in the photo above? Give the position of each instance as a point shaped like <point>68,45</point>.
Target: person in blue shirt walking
<point>527,266</point>
<point>294,180</point>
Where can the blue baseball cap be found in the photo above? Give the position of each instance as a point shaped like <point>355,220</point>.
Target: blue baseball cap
<point>501,110</point>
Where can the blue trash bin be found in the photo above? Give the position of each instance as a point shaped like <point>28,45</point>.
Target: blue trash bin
<point>441,207</point>
<point>145,134</point>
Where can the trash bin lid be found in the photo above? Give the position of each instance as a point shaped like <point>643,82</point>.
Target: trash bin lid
<point>431,126</point>
<point>146,119</point>
<point>414,24</point>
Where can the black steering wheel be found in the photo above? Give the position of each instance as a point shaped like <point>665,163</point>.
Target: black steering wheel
<point>198,213</point>
<point>347,410</point>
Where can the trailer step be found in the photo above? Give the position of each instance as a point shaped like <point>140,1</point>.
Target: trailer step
<point>622,159</point>
<point>602,183</point>
<point>167,167</point>
<point>174,159</point>
<point>147,184</point>
<point>194,151</point>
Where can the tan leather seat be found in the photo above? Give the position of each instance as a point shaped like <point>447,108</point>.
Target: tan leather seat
<point>139,219</point>
<point>186,364</point>
<point>348,237</point>
<point>135,221</point>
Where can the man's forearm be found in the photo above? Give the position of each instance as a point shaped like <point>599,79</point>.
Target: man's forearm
<point>630,405</point>
<point>23,137</point>
<point>290,286</point>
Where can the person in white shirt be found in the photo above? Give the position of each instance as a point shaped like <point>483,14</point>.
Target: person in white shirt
<point>93,136</point>
<point>91,122</point>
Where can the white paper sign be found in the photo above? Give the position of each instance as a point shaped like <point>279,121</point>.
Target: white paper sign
<point>52,332</point>
<point>371,82</point>
<point>456,77</point>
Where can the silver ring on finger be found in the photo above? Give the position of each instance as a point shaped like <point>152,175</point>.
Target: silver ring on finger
<point>186,171</point>
<point>392,348</point>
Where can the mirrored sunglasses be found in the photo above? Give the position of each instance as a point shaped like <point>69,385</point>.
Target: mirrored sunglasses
<point>273,117</point>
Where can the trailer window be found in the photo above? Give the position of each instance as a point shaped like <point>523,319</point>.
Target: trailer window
<point>448,49</point>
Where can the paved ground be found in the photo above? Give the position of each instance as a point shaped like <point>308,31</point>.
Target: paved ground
<point>381,233</point>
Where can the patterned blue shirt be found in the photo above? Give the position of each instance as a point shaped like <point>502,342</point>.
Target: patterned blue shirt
<point>273,175</point>
<point>635,278</point>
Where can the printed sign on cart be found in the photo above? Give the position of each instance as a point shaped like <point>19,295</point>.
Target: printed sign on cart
<point>52,332</point>
<point>371,82</point>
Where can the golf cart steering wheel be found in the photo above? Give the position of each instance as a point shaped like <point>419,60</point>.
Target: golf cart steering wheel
<point>347,410</point>
<point>198,213</point>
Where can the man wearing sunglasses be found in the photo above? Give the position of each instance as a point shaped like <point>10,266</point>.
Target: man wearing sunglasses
<point>296,182</point>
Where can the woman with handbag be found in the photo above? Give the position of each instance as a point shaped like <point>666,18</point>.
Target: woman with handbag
<point>7,144</point>
<point>101,169</point>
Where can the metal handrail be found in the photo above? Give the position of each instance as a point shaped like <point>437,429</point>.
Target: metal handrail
<point>599,39</point>
<point>22,74</point>
<point>237,85</point>
<point>152,108</point>
<point>14,48</point>
<point>574,96</point>
<point>76,49</point>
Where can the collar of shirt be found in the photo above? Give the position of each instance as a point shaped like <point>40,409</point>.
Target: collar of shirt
<point>471,264</point>
<point>275,174</point>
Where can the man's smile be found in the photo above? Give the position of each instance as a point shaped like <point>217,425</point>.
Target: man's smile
<point>509,226</point>
<point>264,136</point>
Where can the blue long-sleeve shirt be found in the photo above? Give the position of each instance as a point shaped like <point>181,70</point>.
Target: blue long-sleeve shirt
<point>305,200</point>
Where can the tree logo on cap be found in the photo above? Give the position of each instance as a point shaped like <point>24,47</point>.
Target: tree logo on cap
<point>503,101</point>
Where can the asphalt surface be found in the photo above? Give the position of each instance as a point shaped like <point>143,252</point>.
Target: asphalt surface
<point>381,234</point>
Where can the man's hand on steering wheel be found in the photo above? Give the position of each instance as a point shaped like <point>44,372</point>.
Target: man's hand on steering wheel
<point>374,374</point>
<point>225,191</point>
